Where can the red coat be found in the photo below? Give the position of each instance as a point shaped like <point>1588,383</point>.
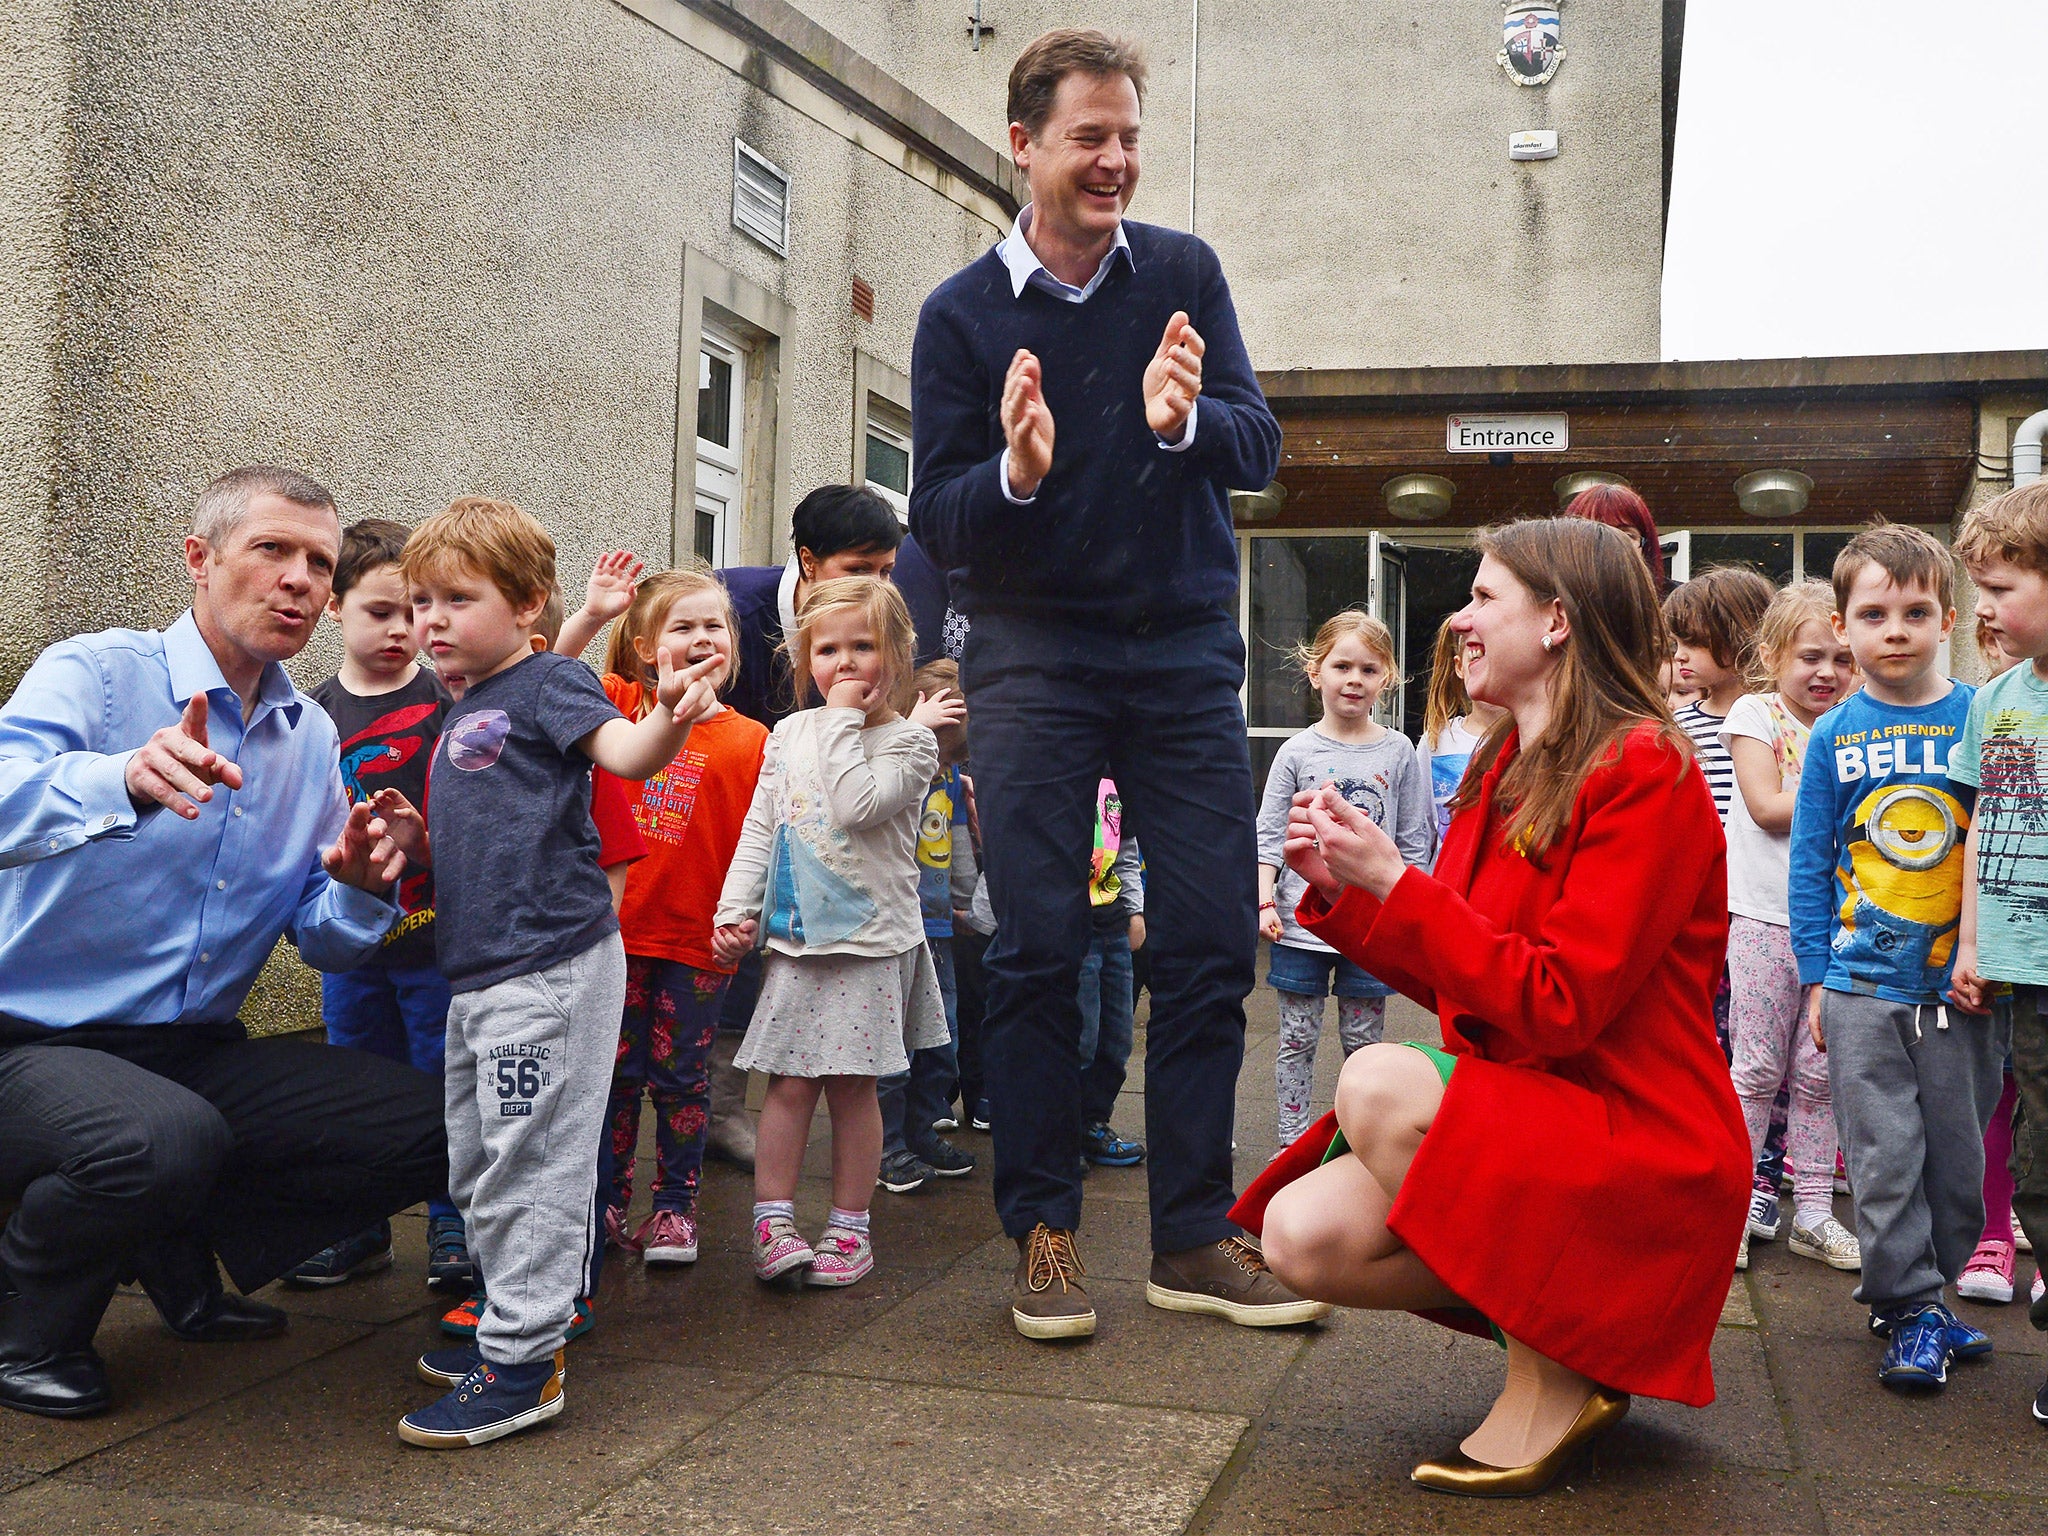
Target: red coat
<point>1586,1179</point>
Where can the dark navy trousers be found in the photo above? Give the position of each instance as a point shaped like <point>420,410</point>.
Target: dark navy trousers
<point>1051,709</point>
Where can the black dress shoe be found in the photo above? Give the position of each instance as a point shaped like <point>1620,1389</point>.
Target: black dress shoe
<point>60,1386</point>
<point>228,1320</point>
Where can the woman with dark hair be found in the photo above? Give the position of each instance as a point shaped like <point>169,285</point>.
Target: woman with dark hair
<point>1619,507</point>
<point>1569,942</point>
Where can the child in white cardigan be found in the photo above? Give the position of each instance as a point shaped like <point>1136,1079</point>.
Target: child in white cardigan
<point>826,876</point>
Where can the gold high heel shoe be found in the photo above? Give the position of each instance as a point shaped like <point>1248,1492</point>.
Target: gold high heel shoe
<point>1459,1473</point>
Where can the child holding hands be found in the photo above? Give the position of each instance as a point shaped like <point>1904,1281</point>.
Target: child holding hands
<point>826,875</point>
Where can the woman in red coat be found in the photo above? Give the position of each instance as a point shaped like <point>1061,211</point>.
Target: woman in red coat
<point>1572,1170</point>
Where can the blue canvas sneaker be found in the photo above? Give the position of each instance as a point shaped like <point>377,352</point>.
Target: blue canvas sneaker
<point>1916,1359</point>
<point>449,1367</point>
<point>491,1402</point>
<point>1763,1214</point>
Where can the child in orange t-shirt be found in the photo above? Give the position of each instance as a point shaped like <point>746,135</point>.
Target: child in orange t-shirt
<point>690,814</point>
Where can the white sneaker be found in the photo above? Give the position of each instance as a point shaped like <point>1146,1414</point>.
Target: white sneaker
<point>1742,1252</point>
<point>2019,1237</point>
<point>1831,1243</point>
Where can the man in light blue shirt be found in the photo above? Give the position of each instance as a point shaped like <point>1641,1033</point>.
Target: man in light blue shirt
<point>170,804</point>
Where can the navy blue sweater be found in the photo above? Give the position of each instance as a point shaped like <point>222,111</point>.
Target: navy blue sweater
<point>1123,534</point>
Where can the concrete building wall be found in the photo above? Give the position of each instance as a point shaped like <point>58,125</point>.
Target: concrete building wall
<point>418,251</point>
<point>1352,170</point>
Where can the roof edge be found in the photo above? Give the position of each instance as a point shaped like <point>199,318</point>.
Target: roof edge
<point>1917,373</point>
<point>800,44</point>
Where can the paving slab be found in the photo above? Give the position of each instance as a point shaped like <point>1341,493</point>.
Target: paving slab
<point>328,1444</point>
<point>830,1454</point>
<point>56,1507</point>
<point>958,1330</point>
<point>157,1378</point>
<point>1854,1505</point>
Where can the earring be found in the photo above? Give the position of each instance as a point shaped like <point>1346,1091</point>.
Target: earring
<point>1549,641</point>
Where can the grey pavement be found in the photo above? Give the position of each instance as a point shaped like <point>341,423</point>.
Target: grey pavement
<point>702,1403</point>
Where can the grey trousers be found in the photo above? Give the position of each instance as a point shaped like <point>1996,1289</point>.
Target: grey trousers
<point>1912,1099</point>
<point>529,1075</point>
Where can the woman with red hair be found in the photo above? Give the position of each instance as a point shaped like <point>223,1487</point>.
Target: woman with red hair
<point>1619,507</point>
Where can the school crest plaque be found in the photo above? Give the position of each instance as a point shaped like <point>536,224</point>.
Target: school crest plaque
<point>1532,42</point>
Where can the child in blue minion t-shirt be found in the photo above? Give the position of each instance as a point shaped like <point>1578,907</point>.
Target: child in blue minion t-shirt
<point>1876,903</point>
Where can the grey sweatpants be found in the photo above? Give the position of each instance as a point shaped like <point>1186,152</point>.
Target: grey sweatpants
<point>529,1075</point>
<point>1912,1099</point>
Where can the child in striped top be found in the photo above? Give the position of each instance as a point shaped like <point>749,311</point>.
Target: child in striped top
<point>1714,619</point>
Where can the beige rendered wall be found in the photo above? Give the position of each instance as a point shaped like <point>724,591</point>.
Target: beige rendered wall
<point>35,83</point>
<point>420,251</point>
<point>414,250</point>
<point>1353,171</point>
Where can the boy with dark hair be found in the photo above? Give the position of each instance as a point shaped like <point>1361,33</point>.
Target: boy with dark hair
<point>387,710</point>
<point>2004,758</point>
<point>1876,897</point>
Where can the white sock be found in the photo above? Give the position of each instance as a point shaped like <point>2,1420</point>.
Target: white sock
<point>848,1221</point>
<point>765,1208</point>
<point>1810,1217</point>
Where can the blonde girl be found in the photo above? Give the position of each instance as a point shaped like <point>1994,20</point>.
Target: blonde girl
<point>1349,664</point>
<point>826,876</point>
<point>1803,671</point>
<point>1452,724</point>
<point>690,815</point>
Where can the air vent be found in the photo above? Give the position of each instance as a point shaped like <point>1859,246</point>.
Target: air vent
<point>760,199</point>
<point>863,299</point>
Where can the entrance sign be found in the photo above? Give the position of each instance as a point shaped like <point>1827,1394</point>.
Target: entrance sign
<point>1535,432</point>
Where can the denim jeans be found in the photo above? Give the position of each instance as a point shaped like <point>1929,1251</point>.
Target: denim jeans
<point>1106,1014</point>
<point>912,1100</point>
<point>397,1012</point>
<point>1051,709</point>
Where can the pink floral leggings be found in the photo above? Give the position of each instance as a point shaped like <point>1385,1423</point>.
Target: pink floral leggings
<point>1767,1031</point>
<point>664,1047</point>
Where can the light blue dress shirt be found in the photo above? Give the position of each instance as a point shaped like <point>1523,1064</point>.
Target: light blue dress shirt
<point>110,915</point>
<point>1027,271</point>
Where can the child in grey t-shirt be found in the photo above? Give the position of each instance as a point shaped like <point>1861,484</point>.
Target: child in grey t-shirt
<point>1350,662</point>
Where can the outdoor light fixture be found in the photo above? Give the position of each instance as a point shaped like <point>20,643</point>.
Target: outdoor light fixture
<point>1568,486</point>
<point>1418,498</point>
<point>1773,493</point>
<point>1258,506</point>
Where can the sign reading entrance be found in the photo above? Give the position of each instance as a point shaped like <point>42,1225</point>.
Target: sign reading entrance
<point>1538,432</point>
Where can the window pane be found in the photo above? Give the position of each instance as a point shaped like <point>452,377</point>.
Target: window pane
<point>888,464</point>
<point>714,400</point>
<point>1821,549</point>
<point>1296,585</point>
<point>1770,553</point>
<point>707,538</point>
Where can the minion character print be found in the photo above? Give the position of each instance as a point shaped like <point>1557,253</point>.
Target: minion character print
<point>1902,870</point>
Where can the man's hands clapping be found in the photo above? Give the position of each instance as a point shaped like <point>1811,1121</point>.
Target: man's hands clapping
<point>1027,425</point>
<point>1173,379</point>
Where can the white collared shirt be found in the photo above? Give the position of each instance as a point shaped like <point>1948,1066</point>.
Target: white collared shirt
<point>1015,253</point>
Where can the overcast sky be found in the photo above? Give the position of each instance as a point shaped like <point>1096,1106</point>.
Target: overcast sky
<point>1859,178</point>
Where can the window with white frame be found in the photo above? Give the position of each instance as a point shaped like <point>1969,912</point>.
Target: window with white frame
<point>887,453</point>
<point>721,428</point>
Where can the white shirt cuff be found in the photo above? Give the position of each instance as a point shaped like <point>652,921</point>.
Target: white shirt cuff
<point>1187,432</point>
<point>1003,479</point>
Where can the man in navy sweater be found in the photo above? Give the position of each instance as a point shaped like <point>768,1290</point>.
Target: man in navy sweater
<point>1081,404</point>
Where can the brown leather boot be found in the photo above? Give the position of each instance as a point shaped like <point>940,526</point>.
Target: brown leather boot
<point>1227,1279</point>
<point>1046,1298</point>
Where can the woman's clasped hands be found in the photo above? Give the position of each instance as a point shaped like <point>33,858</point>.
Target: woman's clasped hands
<point>1331,843</point>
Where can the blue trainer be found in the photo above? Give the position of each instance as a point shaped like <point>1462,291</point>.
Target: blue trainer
<point>449,1267</point>
<point>1917,1357</point>
<point>1964,1342</point>
<point>449,1367</point>
<point>1763,1214</point>
<point>492,1401</point>
<point>363,1254</point>
<point>1102,1146</point>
